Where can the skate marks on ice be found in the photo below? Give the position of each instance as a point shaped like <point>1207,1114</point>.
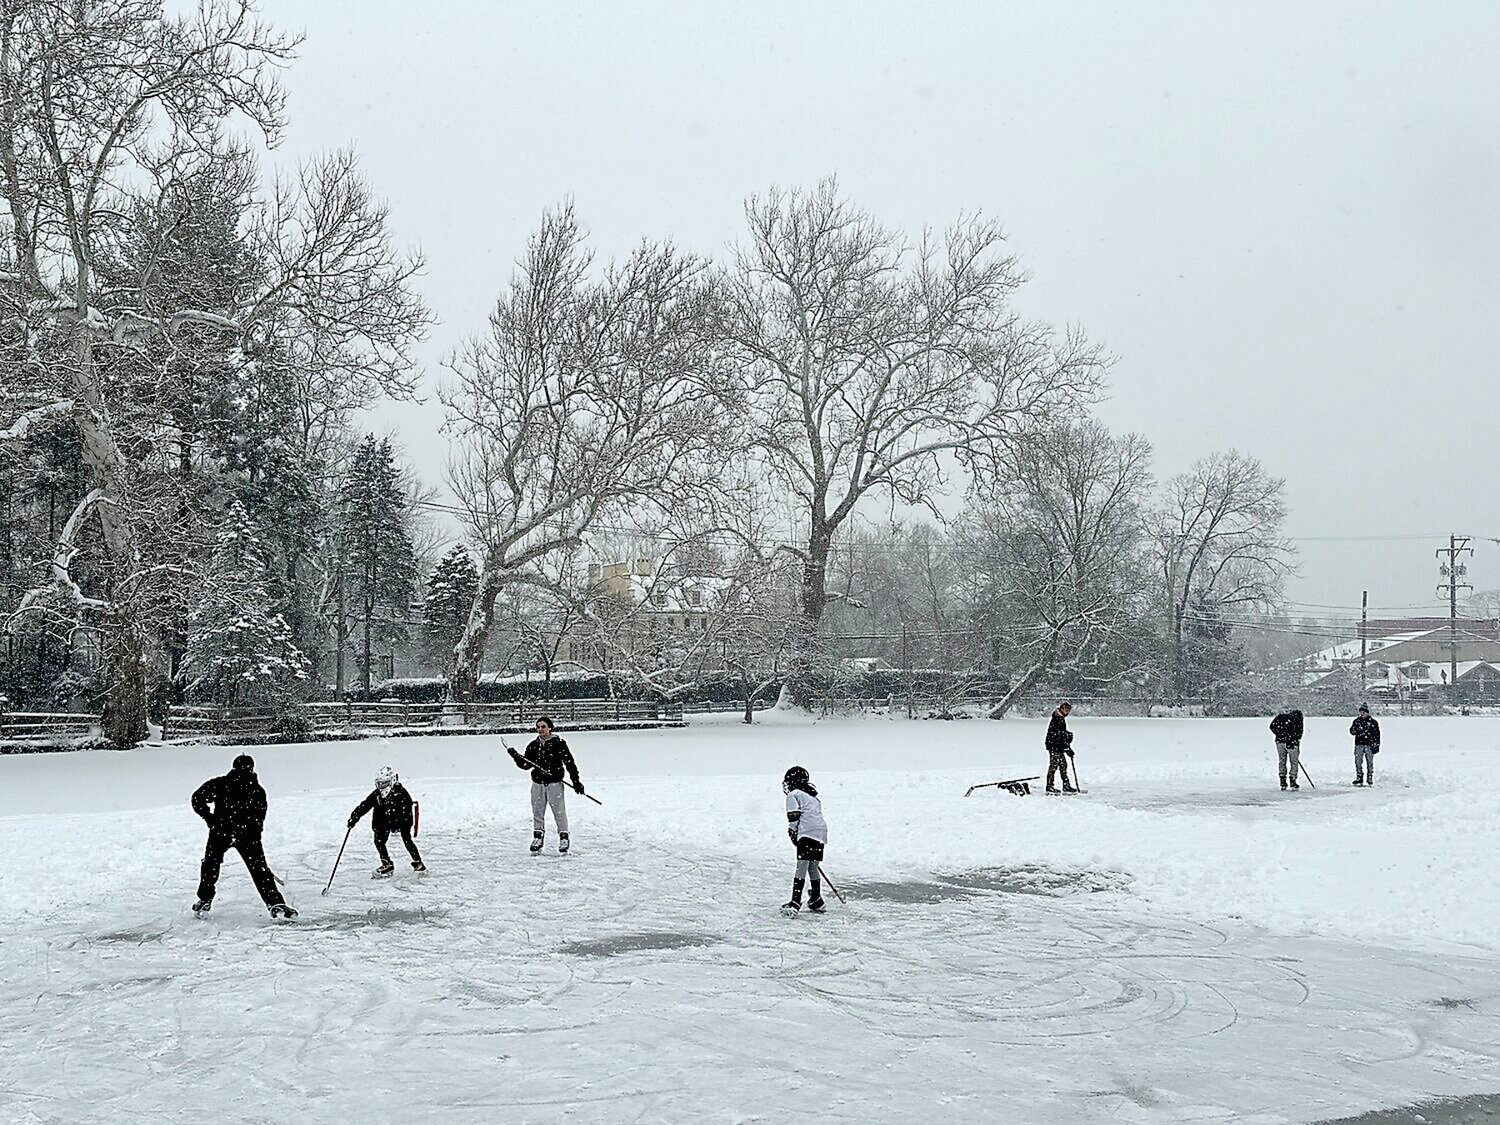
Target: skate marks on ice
<point>1167,1020</point>
<point>1023,879</point>
<point>636,943</point>
<point>1032,879</point>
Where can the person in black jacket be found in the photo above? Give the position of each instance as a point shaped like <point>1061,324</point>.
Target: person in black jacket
<point>234,807</point>
<point>1366,732</point>
<point>1059,747</point>
<point>1287,729</point>
<point>392,806</point>
<point>547,756</point>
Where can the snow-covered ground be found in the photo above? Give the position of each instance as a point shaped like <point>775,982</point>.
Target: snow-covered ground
<point>1183,943</point>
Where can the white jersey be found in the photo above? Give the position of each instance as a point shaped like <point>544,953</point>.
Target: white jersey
<point>811,823</point>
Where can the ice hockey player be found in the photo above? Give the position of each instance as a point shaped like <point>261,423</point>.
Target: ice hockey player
<point>809,833</point>
<point>1287,728</point>
<point>234,807</point>
<point>1059,748</point>
<point>391,805</point>
<point>547,756</point>
<point>1366,732</point>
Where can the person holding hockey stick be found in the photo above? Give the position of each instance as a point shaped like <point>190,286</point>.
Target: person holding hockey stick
<point>392,808</point>
<point>1059,748</point>
<point>547,756</point>
<point>809,833</point>
<point>234,807</point>
<point>1366,732</point>
<point>1287,728</point>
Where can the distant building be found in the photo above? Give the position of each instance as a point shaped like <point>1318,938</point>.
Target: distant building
<point>1410,658</point>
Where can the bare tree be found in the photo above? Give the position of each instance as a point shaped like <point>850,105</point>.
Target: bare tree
<point>86,94</point>
<point>587,399</point>
<point>1219,545</point>
<point>1058,551</point>
<point>865,360</point>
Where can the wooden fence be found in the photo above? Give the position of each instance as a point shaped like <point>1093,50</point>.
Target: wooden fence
<point>334,718</point>
<point>26,728</point>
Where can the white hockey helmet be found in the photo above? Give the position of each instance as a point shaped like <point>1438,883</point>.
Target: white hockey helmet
<point>385,777</point>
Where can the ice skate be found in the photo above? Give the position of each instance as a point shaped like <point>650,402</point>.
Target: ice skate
<point>815,906</point>
<point>536,844</point>
<point>791,908</point>
<point>419,867</point>
<point>203,906</point>
<point>384,871</point>
<point>562,843</point>
<point>283,913</point>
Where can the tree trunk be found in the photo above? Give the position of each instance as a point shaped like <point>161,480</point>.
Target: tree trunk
<point>125,669</point>
<point>814,600</point>
<point>125,698</point>
<point>1027,681</point>
<point>463,683</point>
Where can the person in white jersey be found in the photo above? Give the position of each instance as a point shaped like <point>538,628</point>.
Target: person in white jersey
<point>809,833</point>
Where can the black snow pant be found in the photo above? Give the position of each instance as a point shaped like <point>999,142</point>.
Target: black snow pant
<point>382,834</point>
<point>1057,762</point>
<point>254,856</point>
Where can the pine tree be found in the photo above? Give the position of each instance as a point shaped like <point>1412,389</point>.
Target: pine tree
<point>445,610</point>
<point>377,559</point>
<point>237,650</point>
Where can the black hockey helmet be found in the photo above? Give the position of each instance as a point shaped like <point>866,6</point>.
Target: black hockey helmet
<point>795,778</point>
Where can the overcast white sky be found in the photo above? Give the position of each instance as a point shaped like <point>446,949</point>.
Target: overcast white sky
<point>1286,224</point>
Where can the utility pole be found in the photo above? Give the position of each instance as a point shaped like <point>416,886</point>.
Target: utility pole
<point>1364,639</point>
<point>1453,571</point>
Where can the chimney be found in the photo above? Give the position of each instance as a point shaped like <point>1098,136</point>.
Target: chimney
<point>643,568</point>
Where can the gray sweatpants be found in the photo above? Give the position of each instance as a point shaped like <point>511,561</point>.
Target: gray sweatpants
<point>1364,756</point>
<point>1288,756</point>
<point>541,797</point>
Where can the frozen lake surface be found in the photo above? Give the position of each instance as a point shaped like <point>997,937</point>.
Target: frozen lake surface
<point>1183,943</point>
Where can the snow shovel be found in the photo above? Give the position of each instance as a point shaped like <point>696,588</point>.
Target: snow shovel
<point>534,766</point>
<point>335,870</point>
<point>1016,785</point>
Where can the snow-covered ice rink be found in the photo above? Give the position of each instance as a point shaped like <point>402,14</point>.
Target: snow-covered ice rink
<point>1183,943</point>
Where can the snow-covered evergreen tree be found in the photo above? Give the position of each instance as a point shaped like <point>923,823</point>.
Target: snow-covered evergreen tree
<point>238,651</point>
<point>445,610</point>
<point>377,559</point>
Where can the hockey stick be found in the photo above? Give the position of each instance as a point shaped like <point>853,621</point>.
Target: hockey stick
<point>335,870</point>
<point>1077,784</point>
<point>534,766</point>
<point>1001,784</point>
<point>1306,774</point>
<point>831,887</point>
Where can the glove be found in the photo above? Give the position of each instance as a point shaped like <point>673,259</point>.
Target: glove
<point>511,750</point>
<point>792,832</point>
<point>1068,752</point>
<point>578,788</point>
<point>353,820</point>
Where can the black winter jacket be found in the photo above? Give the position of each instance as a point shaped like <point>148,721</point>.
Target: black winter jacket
<point>1287,727</point>
<point>239,804</point>
<point>1059,737</point>
<point>1366,731</point>
<point>550,759</point>
<point>392,812</point>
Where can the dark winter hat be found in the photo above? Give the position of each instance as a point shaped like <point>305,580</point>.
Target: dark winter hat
<point>1364,708</point>
<point>244,762</point>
